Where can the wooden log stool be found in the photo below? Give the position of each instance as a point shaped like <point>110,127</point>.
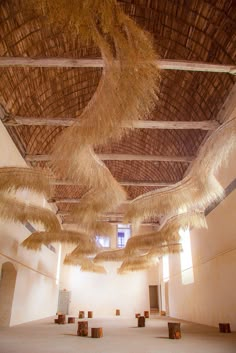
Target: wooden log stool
<point>163,313</point>
<point>61,319</point>
<point>174,330</point>
<point>81,314</point>
<point>96,332</point>
<point>117,312</point>
<point>146,314</point>
<point>90,314</point>
<point>141,321</point>
<point>224,327</point>
<point>137,315</point>
<point>56,321</point>
<point>82,328</point>
<point>71,320</point>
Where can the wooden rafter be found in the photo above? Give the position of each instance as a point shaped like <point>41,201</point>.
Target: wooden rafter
<point>119,157</point>
<point>70,200</point>
<point>72,223</point>
<point>164,64</point>
<point>124,183</point>
<point>11,120</point>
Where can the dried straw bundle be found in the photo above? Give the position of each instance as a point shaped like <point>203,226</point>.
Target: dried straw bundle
<point>96,202</point>
<point>37,239</point>
<point>110,255</point>
<point>88,248</point>
<point>136,263</point>
<point>86,265</point>
<point>14,210</point>
<point>96,228</point>
<point>169,232</point>
<point>89,266</point>
<point>198,189</point>
<point>15,178</point>
<point>103,228</point>
<point>130,69</point>
<point>158,251</point>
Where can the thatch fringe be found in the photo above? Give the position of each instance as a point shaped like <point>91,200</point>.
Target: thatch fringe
<point>168,232</point>
<point>158,251</point>
<point>37,239</point>
<point>86,265</point>
<point>136,263</point>
<point>197,190</point>
<point>110,255</point>
<point>14,210</point>
<point>16,178</point>
<point>89,248</point>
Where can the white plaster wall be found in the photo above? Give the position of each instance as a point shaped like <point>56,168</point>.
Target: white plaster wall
<point>36,292</point>
<point>104,293</point>
<point>210,299</point>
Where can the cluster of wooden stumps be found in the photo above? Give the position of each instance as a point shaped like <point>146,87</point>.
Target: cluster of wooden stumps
<point>97,332</point>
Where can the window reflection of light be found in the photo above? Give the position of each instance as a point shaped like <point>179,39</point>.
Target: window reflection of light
<point>186,257</point>
<point>58,264</point>
<point>166,271</point>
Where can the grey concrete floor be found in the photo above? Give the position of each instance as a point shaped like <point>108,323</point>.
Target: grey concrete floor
<point>121,335</point>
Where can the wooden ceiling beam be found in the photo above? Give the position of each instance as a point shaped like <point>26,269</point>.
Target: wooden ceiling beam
<point>164,64</point>
<point>123,183</point>
<point>72,223</point>
<point>71,200</point>
<point>119,157</point>
<point>11,120</point>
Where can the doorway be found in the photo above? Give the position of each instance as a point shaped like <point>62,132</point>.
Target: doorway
<point>64,302</point>
<point>153,299</point>
<point>7,289</point>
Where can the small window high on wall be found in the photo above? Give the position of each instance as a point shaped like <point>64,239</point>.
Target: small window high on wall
<point>123,234</point>
<point>186,257</point>
<point>103,240</point>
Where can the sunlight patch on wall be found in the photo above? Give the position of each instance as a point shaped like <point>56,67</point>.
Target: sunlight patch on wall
<point>186,257</point>
<point>166,270</point>
<point>58,264</point>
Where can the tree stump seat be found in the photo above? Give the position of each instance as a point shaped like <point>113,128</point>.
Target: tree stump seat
<point>81,314</point>
<point>71,320</point>
<point>82,328</point>
<point>224,327</point>
<point>96,332</point>
<point>61,320</point>
<point>90,314</point>
<point>146,314</point>
<point>174,330</point>
<point>117,312</point>
<point>141,321</point>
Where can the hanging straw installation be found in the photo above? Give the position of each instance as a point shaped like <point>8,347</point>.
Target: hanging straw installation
<point>110,255</point>
<point>13,179</point>
<point>86,265</point>
<point>198,189</point>
<point>37,239</point>
<point>130,69</point>
<point>137,263</point>
<point>169,232</point>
